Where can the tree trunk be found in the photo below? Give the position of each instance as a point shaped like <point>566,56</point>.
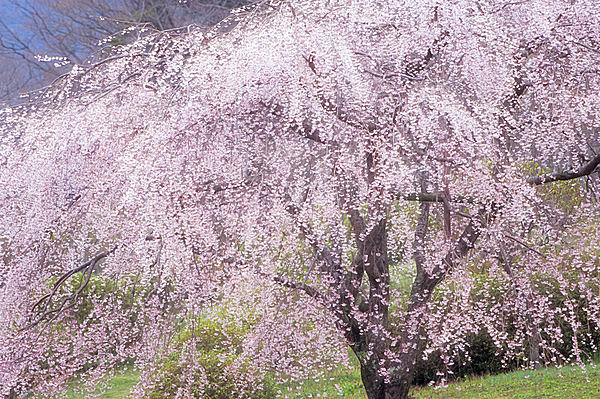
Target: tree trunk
<point>401,372</point>
<point>535,339</point>
<point>377,387</point>
<point>534,346</point>
<point>370,343</point>
<point>374,384</point>
<point>370,340</point>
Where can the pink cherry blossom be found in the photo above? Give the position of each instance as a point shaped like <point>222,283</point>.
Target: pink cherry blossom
<point>287,177</point>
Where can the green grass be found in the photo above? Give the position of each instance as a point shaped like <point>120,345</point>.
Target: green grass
<point>121,384</point>
<point>558,383</point>
<point>342,384</point>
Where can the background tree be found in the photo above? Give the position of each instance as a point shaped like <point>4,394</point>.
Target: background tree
<point>294,170</point>
<point>41,40</point>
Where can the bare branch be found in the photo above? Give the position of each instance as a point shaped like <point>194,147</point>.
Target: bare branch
<point>434,197</point>
<point>466,240</point>
<point>88,267</point>
<point>586,46</point>
<point>420,233</point>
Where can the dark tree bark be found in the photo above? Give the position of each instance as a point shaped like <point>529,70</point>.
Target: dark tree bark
<point>369,343</point>
<point>370,340</point>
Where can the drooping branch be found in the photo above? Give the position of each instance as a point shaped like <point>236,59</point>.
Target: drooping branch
<point>323,252</point>
<point>334,108</point>
<point>346,285</point>
<point>535,337</point>
<point>515,239</point>
<point>46,300</point>
<point>302,286</point>
<point>585,170</point>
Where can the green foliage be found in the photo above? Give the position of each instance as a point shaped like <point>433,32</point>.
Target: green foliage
<point>483,355</point>
<point>342,383</point>
<point>116,41</point>
<point>214,348</point>
<point>566,195</point>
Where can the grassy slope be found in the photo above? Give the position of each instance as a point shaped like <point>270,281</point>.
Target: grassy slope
<point>121,385</point>
<point>344,384</point>
<point>558,383</point>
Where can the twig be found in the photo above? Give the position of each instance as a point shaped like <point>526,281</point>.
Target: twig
<point>465,215</point>
<point>414,78</point>
<point>515,239</point>
<point>586,46</point>
<point>434,197</point>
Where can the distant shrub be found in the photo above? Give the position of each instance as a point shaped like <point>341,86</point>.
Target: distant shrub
<point>481,358</point>
<point>204,362</point>
<point>482,354</point>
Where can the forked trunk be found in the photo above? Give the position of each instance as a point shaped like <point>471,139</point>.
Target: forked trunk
<point>400,373</point>
<point>371,345</point>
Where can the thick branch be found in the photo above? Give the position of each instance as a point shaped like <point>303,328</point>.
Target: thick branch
<point>358,226</point>
<point>466,241</point>
<point>422,224</point>
<point>586,169</point>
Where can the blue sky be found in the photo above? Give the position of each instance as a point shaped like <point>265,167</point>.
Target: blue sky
<point>8,13</point>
